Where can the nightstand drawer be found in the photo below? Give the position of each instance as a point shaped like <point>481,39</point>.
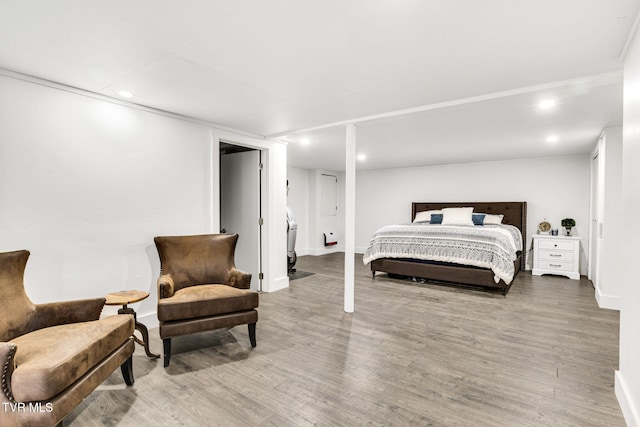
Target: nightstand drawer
<point>554,255</point>
<point>556,265</point>
<point>555,244</point>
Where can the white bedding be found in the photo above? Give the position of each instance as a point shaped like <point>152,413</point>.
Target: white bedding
<point>487,246</point>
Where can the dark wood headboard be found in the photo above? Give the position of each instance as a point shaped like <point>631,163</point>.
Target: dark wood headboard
<point>515,213</point>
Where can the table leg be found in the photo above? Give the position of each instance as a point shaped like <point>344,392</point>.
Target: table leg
<point>145,340</point>
<point>140,327</point>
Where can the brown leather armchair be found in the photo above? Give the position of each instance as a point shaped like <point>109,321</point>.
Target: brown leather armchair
<point>199,288</point>
<point>53,355</point>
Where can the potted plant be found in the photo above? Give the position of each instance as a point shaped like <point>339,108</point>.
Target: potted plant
<point>568,224</point>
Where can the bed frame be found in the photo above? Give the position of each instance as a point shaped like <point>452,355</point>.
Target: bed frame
<point>515,213</point>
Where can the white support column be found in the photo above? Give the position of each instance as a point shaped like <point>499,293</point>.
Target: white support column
<point>350,218</point>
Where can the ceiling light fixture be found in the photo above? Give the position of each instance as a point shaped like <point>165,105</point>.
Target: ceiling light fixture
<point>304,141</point>
<point>362,157</point>
<point>125,94</point>
<point>546,104</point>
<point>552,138</point>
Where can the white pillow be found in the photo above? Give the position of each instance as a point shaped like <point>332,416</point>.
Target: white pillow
<point>493,219</point>
<point>425,216</point>
<point>457,216</point>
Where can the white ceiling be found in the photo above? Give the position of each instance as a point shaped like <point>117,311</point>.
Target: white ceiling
<point>474,70</point>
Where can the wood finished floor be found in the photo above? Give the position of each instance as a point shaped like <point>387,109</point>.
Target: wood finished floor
<point>413,354</point>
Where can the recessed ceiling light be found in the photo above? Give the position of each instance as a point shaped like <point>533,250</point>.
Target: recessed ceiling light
<point>304,141</point>
<point>552,138</point>
<point>125,94</point>
<point>362,157</point>
<point>545,104</point>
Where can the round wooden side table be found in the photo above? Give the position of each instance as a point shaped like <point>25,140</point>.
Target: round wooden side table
<point>124,298</point>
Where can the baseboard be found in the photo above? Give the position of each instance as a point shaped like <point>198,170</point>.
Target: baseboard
<point>278,284</point>
<point>629,410</point>
<point>324,251</point>
<point>608,301</point>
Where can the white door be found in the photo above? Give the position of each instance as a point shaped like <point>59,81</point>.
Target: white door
<point>240,208</point>
<point>328,195</point>
<point>328,220</point>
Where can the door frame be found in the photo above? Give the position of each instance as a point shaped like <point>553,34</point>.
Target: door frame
<point>274,201</point>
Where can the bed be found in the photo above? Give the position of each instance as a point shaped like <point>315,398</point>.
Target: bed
<point>439,268</point>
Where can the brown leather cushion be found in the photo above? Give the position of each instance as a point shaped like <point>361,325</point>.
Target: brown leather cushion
<point>51,359</point>
<point>205,300</point>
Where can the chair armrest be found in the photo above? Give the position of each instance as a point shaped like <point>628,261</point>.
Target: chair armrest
<point>166,287</point>
<point>239,279</point>
<point>7,365</point>
<point>65,312</point>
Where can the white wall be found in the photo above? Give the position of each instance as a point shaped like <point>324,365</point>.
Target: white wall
<point>85,185</point>
<point>628,377</point>
<point>553,187</point>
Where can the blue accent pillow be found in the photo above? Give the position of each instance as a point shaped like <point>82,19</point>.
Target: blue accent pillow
<point>478,219</point>
<point>436,218</point>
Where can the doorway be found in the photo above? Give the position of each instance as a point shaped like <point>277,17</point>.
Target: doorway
<point>241,206</point>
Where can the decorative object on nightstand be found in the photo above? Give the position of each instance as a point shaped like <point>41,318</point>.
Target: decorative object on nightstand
<point>544,227</point>
<point>568,224</point>
<point>556,255</point>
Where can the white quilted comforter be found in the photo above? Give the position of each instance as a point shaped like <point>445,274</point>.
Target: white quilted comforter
<point>487,246</point>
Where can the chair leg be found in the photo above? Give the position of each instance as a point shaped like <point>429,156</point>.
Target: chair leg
<point>127,371</point>
<point>166,343</point>
<point>252,334</point>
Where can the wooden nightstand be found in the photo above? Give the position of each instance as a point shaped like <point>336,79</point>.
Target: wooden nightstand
<point>556,255</point>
